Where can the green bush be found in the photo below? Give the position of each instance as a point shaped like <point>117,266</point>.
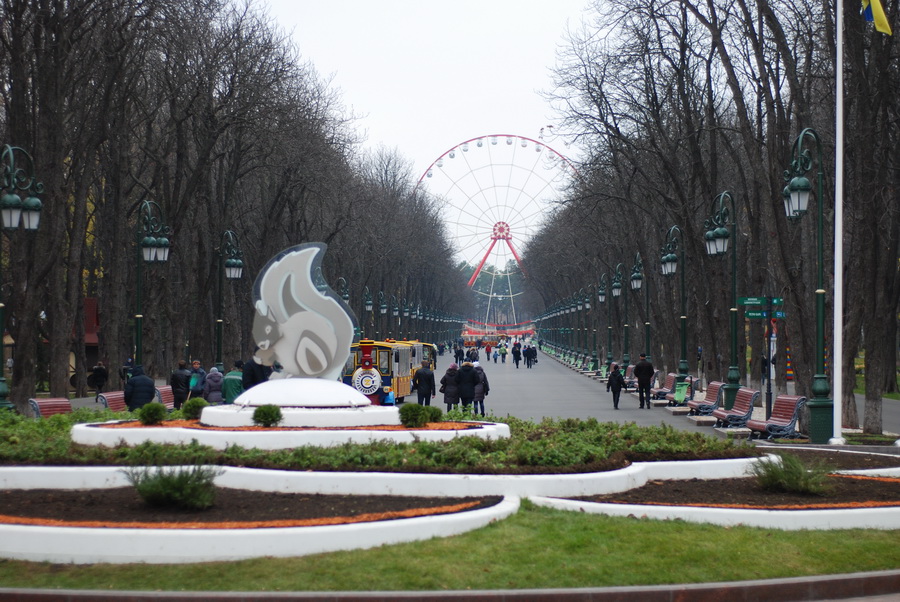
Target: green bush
<point>433,414</point>
<point>790,475</point>
<point>193,407</point>
<point>267,416</point>
<point>413,416</point>
<point>152,413</point>
<point>179,487</point>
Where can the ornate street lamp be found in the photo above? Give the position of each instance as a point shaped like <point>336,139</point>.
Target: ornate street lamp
<point>367,310</point>
<point>716,238</point>
<point>616,292</point>
<point>154,245</point>
<point>637,282</point>
<point>232,269</point>
<point>395,313</point>
<point>601,298</point>
<point>15,211</point>
<point>382,311</point>
<point>669,266</point>
<point>824,422</point>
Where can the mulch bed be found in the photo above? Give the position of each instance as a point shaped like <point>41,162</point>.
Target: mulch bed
<point>745,493</point>
<point>235,508</point>
<point>196,424</point>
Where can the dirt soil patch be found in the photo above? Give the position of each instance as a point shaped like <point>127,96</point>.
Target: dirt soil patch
<point>234,508</point>
<point>745,493</point>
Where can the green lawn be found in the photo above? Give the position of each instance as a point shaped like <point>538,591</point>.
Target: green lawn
<point>536,548</point>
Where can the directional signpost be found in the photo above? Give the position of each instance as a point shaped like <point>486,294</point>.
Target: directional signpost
<point>769,303</point>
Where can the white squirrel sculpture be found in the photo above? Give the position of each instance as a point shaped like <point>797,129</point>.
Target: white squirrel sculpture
<point>306,330</point>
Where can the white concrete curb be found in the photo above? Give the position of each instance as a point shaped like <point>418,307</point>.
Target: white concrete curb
<point>86,434</point>
<point>163,546</point>
<point>787,520</point>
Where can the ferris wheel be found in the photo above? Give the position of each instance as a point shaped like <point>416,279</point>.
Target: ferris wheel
<point>495,192</point>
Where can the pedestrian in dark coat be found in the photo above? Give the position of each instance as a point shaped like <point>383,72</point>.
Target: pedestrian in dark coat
<point>615,383</point>
<point>517,355</point>
<point>212,388</point>
<point>99,376</point>
<point>139,390</point>
<point>466,380</point>
<point>644,372</point>
<point>423,383</point>
<point>481,389</point>
<point>255,373</point>
<point>181,384</point>
<point>449,387</point>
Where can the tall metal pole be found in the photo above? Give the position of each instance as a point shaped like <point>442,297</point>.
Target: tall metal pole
<point>670,263</point>
<point>230,268</point>
<point>616,291</point>
<point>821,406</point>
<point>15,211</point>
<point>154,248</point>
<point>716,237</point>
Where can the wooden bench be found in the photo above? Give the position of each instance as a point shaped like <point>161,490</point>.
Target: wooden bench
<point>668,387</point>
<point>688,393</point>
<point>783,421</point>
<point>165,396</point>
<point>630,380</point>
<point>113,400</point>
<point>740,413</point>
<point>710,402</point>
<point>50,406</point>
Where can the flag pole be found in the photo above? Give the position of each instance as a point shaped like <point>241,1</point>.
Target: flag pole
<point>837,357</point>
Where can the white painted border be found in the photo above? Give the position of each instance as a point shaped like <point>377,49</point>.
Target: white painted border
<point>786,520</point>
<point>168,546</point>
<point>86,434</point>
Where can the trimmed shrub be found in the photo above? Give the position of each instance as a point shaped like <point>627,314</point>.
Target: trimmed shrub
<point>790,475</point>
<point>152,413</point>
<point>193,407</point>
<point>190,488</point>
<point>414,416</point>
<point>433,414</point>
<point>267,416</point>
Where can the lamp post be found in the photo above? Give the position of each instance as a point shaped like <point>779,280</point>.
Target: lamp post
<point>230,268</point>
<point>716,239</point>
<point>382,311</point>
<point>15,211</point>
<point>367,310</point>
<point>344,292</point>
<point>637,282</point>
<point>405,318</point>
<point>601,298</point>
<point>587,304</point>
<point>581,355</point>
<point>395,313</point>
<point>823,423</point>
<point>154,245</point>
<point>669,265</point>
<point>616,292</point>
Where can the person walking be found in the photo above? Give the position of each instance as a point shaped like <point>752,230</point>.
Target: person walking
<point>423,383</point>
<point>180,380</point>
<point>255,373</point>
<point>449,387</point>
<point>644,372</point>
<point>481,390</point>
<point>212,386</point>
<point>198,379</point>
<point>466,379</point>
<point>615,383</point>
<point>99,376</point>
<point>139,390</point>
<point>503,352</point>
<point>233,383</point>
<point>517,355</point>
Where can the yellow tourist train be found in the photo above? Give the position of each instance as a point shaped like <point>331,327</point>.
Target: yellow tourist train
<point>376,366</point>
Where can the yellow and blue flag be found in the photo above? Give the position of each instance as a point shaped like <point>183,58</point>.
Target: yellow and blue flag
<point>874,13</point>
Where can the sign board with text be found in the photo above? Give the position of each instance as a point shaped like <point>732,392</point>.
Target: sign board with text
<point>760,301</point>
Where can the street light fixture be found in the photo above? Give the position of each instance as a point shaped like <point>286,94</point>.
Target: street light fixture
<point>823,421</point>
<point>716,238</point>
<point>669,266</point>
<point>367,310</point>
<point>382,311</point>
<point>587,303</point>
<point>15,211</point>
<point>601,298</point>
<point>617,291</point>
<point>232,268</point>
<point>637,282</point>
<point>395,313</point>
<point>154,245</point>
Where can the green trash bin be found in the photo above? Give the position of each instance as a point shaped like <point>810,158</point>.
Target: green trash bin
<point>680,393</point>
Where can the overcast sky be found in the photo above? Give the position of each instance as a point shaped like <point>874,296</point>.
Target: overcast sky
<point>426,76</point>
